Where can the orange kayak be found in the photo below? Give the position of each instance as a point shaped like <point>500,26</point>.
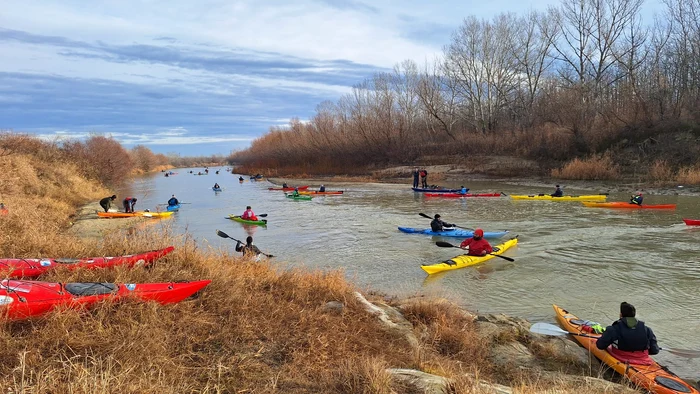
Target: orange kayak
<point>627,205</point>
<point>655,378</point>
<point>114,215</point>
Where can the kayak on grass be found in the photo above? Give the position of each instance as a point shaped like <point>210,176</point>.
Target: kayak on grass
<point>114,215</point>
<point>30,268</point>
<point>299,197</point>
<point>316,192</point>
<point>455,232</point>
<point>627,205</point>
<point>592,197</point>
<point>692,222</point>
<point>23,299</point>
<point>173,208</point>
<point>655,378</point>
<point>464,260</point>
<point>436,190</point>
<point>288,189</point>
<point>236,218</point>
<point>460,195</point>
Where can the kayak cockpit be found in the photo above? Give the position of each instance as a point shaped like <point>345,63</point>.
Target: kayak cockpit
<point>87,289</point>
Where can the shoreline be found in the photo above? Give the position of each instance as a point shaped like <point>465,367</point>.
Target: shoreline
<point>85,223</point>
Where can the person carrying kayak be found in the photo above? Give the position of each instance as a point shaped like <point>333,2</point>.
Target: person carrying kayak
<point>637,199</point>
<point>322,189</point>
<point>129,204</point>
<point>248,249</point>
<point>416,177</point>
<point>249,214</point>
<point>558,192</point>
<point>438,225</point>
<point>629,339</point>
<point>106,203</point>
<point>477,245</point>
<point>173,201</point>
<point>216,186</point>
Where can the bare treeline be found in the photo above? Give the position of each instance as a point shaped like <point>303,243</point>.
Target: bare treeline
<point>557,84</point>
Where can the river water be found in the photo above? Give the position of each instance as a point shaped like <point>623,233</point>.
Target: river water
<point>586,260</point>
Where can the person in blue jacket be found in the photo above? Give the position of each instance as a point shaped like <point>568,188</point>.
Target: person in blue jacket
<point>173,201</point>
<point>637,199</point>
<point>558,192</point>
<point>463,190</point>
<point>630,338</point>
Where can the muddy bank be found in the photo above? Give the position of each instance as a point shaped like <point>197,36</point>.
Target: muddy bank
<point>86,224</point>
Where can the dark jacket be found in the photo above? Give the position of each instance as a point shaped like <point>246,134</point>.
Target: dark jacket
<point>438,225</point>
<point>637,200</point>
<point>173,201</point>
<point>558,193</point>
<point>106,203</point>
<point>247,249</point>
<point>630,335</point>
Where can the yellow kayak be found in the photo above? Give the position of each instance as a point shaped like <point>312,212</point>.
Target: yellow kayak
<point>466,260</point>
<point>135,214</point>
<point>593,197</point>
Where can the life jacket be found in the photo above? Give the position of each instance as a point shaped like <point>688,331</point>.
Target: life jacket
<point>423,173</point>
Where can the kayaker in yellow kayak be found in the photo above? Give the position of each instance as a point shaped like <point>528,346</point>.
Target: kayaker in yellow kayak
<point>558,192</point>
<point>248,214</point>
<point>106,203</point>
<point>477,245</point>
<point>248,249</point>
<point>637,199</point>
<point>438,225</point>
<point>629,339</point>
<point>322,189</point>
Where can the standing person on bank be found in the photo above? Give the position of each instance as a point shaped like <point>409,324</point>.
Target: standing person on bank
<point>129,204</point>
<point>106,203</point>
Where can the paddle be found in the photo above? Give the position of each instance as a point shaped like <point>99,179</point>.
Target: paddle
<point>428,217</point>
<point>224,235</point>
<point>178,203</point>
<point>443,244</point>
<point>551,329</point>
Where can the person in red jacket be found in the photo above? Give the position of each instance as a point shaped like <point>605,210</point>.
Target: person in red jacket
<point>477,245</point>
<point>248,214</point>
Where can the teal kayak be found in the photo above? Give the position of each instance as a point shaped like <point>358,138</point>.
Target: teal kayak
<point>175,207</point>
<point>299,198</point>
<point>452,233</point>
<point>238,219</point>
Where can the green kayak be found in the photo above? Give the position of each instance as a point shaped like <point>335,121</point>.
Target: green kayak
<point>299,197</point>
<point>238,219</point>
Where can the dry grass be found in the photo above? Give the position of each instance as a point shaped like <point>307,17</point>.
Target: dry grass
<point>689,176</point>
<point>660,173</point>
<point>599,167</point>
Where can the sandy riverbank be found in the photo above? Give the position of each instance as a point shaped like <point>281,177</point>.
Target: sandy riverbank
<point>86,223</point>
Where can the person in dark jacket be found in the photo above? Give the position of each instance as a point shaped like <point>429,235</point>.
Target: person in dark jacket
<point>248,249</point>
<point>558,192</point>
<point>106,203</point>
<point>632,341</point>
<point>173,201</point>
<point>438,225</point>
<point>477,245</point>
<point>416,177</point>
<point>637,199</point>
<point>322,189</point>
<point>129,204</point>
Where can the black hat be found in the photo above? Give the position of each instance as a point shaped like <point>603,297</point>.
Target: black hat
<point>437,215</point>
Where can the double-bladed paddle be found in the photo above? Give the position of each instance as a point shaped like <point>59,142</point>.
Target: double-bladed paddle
<point>551,329</point>
<point>224,235</point>
<point>443,244</point>
<point>428,217</point>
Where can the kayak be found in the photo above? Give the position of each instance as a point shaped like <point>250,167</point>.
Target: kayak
<point>216,189</point>
<point>173,208</point>
<point>627,205</point>
<point>460,195</point>
<point>23,299</point>
<point>318,193</point>
<point>299,198</point>
<point>238,219</point>
<point>156,215</point>
<point>464,260</point>
<point>439,190</point>
<point>456,232</point>
<point>30,268</point>
<point>4,211</point>
<point>593,197</point>
<point>692,222</point>
<point>655,378</point>
<point>288,189</point>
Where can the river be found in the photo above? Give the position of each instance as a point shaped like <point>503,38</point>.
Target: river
<point>586,260</point>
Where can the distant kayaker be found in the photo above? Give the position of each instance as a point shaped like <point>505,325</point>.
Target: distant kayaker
<point>216,186</point>
<point>629,339</point>
<point>249,214</point>
<point>296,192</point>
<point>322,189</point>
<point>416,177</point>
<point>173,201</point>
<point>129,204</point>
<point>438,225</point>
<point>463,190</point>
<point>240,179</point>
<point>285,186</point>
<point>106,203</point>
<point>558,192</point>
<point>477,245</point>
<point>424,175</point>
<point>248,249</point>
<point>637,199</point>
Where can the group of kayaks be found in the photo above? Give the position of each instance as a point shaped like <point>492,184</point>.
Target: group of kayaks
<point>304,193</point>
<point>22,299</point>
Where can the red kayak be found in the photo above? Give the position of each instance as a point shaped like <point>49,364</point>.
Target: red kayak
<point>288,189</point>
<point>627,205</point>
<point>692,222</point>
<point>458,195</point>
<point>30,268</point>
<point>22,299</point>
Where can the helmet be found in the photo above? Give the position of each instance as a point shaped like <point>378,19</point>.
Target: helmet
<point>478,232</point>
<point>639,193</point>
<point>437,215</point>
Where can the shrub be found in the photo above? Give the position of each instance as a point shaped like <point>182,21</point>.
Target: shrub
<point>596,167</point>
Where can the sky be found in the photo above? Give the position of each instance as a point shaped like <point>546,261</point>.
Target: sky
<point>205,77</point>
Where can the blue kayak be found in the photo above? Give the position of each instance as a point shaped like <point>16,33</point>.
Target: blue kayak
<point>216,189</point>
<point>175,207</point>
<point>420,190</point>
<point>457,232</point>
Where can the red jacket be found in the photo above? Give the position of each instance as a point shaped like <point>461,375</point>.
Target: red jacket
<point>477,247</point>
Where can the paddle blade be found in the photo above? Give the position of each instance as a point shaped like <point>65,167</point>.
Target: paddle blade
<point>547,329</point>
<point>424,215</point>
<point>222,234</point>
<point>444,244</point>
<point>262,215</point>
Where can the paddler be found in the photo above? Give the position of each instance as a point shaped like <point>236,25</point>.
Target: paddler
<point>558,192</point>
<point>322,189</point>
<point>296,192</point>
<point>248,249</point>
<point>463,190</point>
<point>438,224</point>
<point>248,214</point>
<point>477,245</point>
<point>629,339</point>
<point>173,201</point>
<point>637,199</point>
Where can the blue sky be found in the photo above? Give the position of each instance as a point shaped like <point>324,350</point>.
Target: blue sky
<point>205,77</point>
